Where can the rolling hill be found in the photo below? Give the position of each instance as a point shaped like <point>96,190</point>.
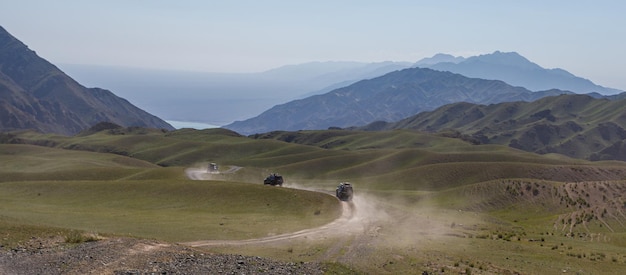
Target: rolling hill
<point>372,158</point>
<point>578,126</point>
<point>493,188</point>
<point>390,97</point>
<point>434,201</point>
<point>34,94</point>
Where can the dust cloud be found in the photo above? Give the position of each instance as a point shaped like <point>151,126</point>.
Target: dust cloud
<point>201,172</point>
<point>197,174</point>
<point>369,218</point>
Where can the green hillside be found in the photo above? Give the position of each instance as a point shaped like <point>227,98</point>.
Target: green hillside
<point>578,126</point>
<point>112,194</point>
<point>416,194</point>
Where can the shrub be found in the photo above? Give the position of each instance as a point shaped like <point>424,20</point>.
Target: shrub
<point>76,236</point>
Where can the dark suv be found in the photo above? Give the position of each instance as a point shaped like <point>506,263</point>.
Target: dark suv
<point>344,191</point>
<point>274,180</point>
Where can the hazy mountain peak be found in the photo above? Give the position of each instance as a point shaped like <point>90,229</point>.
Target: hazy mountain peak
<point>439,58</point>
<point>512,59</point>
<point>390,97</point>
<point>515,69</point>
<point>313,70</point>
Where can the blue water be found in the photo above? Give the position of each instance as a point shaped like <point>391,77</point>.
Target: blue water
<point>188,124</point>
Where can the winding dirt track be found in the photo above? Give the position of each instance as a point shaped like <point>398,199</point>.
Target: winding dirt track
<point>348,222</point>
<point>202,174</point>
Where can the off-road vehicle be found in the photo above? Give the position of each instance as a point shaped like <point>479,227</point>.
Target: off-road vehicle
<point>274,180</point>
<point>344,191</point>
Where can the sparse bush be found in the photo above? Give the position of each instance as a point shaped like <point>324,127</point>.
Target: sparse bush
<point>76,236</point>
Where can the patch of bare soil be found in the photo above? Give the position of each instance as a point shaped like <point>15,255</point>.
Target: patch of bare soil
<point>133,256</point>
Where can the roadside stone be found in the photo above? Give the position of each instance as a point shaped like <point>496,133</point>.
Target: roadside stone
<point>126,256</point>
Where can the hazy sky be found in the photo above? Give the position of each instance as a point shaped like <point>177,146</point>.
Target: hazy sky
<point>587,38</point>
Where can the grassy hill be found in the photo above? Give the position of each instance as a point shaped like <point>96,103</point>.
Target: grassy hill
<point>578,126</point>
<point>424,201</point>
<point>112,194</point>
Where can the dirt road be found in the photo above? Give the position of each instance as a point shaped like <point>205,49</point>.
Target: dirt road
<point>351,221</point>
<point>202,174</point>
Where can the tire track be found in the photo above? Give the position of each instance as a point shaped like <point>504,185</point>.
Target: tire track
<point>347,223</point>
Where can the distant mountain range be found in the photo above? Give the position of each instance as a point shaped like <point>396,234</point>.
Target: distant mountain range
<point>221,98</point>
<point>391,97</point>
<point>439,58</point>
<point>516,70</point>
<point>34,94</point>
<point>573,125</point>
<point>396,95</point>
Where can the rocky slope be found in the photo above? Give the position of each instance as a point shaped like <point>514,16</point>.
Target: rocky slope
<point>134,256</point>
<point>35,94</point>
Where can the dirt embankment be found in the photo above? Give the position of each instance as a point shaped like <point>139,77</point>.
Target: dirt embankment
<point>132,256</point>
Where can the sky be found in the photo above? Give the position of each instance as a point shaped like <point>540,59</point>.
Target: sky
<point>586,38</point>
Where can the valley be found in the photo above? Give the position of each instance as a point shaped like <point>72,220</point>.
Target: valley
<point>206,137</point>
<point>423,202</point>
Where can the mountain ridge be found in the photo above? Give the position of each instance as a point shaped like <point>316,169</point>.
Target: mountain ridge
<point>390,97</point>
<point>513,68</point>
<point>439,58</point>
<point>38,95</point>
<point>574,125</point>
<point>221,98</point>
<point>518,79</point>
